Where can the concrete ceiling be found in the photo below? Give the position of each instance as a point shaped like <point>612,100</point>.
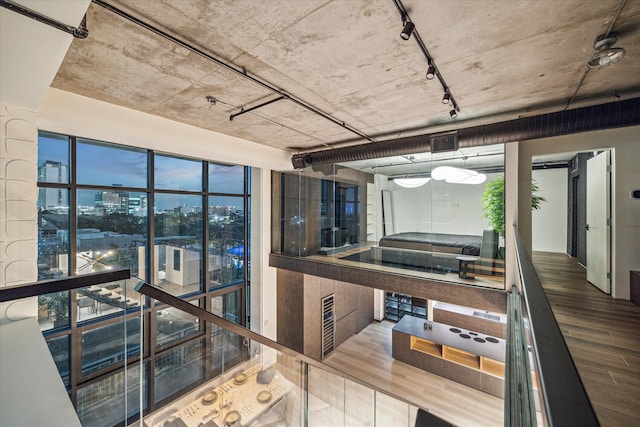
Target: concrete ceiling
<point>501,60</point>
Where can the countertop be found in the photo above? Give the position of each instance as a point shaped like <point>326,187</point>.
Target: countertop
<point>467,311</point>
<point>441,333</point>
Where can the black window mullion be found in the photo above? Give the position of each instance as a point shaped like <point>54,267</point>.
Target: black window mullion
<point>244,301</point>
<point>150,278</point>
<point>75,344</point>
<point>205,228</point>
<point>73,208</point>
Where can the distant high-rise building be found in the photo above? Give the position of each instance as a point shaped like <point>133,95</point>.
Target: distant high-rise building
<point>51,171</point>
<point>112,201</point>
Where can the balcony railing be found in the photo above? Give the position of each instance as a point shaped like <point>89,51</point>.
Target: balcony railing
<point>275,384</point>
<point>542,386</point>
<point>260,381</point>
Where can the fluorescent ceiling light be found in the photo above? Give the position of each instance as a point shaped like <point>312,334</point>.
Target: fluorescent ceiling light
<point>411,182</point>
<point>454,175</point>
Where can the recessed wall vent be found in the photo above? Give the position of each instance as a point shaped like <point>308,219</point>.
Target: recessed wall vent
<point>328,325</point>
<point>447,141</point>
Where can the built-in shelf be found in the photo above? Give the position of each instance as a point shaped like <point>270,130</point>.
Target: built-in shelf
<point>491,366</point>
<point>461,357</point>
<point>465,356</point>
<point>426,346</point>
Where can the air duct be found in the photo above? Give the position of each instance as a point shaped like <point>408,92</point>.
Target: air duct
<point>598,117</point>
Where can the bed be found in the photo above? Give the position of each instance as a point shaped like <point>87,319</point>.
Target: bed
<point>435,250</point>
<point>434,242</point>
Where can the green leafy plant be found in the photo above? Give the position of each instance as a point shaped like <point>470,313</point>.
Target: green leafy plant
<point>58,304</point>
<point>493,203</point>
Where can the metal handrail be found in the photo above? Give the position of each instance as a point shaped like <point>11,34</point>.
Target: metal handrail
<point>519,404</point>
<point>25,290</point>
<point>564,396</point>
<point>160,295</point>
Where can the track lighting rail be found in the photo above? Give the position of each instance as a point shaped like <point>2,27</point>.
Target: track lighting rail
<point>433,69</point>
<point>239,71</point>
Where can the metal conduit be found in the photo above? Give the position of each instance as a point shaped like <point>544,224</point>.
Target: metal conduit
<point>598,117</point>
<point>80,32</point>
<point>239,71</point>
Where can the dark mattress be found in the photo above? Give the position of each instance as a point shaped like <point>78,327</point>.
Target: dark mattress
<point>434,242</point>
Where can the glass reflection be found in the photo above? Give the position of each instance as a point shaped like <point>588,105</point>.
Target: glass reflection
<point>226,178</point>
<point>178,243</point>
<point>226,240</point>
<point>53,159</point>
<point>104,346</point>
<point>174,173</point>
<point>110,165</point>
<point>102,403</point>
<point>422,214</point>
<point>53,233</point>
<point>173,324</point>
<point>59,348</point>
<point>112,231</point>
<point>178,369</point>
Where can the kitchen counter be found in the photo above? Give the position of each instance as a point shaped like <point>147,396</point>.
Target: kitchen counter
<point>461,355</point>
<point>448,335</point>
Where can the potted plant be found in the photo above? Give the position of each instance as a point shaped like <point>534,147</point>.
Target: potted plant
<point>493,203</point>
<point>57,304</point>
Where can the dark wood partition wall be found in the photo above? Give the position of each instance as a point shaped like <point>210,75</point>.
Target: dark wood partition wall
<point>494,300</point>
<point>296,226</point>
<point>290,310</point>
<point>300,312</point>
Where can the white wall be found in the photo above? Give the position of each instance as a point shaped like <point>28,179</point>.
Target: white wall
<point>438,207</point>
<point>18,214</point>
<point>626,177</point>
<point>71,114</point>
<point>549,223</point>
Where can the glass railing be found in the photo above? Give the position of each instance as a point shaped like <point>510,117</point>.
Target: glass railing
<point>259,382</point>
<point>542,385</point>
<point>137,355</point>
<point>91,345</point>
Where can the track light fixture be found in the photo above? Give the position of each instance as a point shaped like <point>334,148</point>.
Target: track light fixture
<point>407,30</point>
<point>431,72</point>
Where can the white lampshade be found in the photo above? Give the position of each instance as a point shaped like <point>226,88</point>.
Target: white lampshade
<point>454,175</point>
<point>411,182</point>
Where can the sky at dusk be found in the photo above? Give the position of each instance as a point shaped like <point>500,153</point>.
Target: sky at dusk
<point>113,166</point>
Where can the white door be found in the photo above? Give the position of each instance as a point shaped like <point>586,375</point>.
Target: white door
<point>598,228</point>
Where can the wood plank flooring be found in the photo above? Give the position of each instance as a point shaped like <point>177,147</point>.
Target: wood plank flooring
<point>482,280</point>
<point>602,333</point>
<point>603,336</point>
<point>367,355</point>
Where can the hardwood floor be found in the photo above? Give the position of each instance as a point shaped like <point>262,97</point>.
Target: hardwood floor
<point>482,280</point>
<point>367,355</point>
<point>603,336</point>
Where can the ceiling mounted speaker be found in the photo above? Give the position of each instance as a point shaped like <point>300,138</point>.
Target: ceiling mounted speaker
<point>605,55</point>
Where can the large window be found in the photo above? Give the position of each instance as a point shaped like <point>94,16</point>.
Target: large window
<point>178,223</point>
